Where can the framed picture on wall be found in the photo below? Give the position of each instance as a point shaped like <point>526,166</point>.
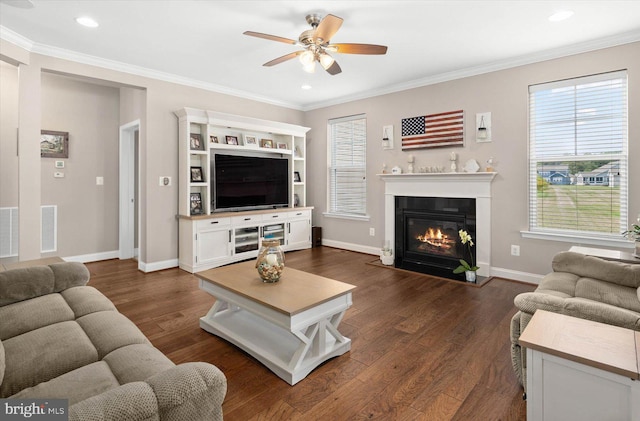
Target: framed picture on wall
<point>282,146</point>
<point>213,139</point>
<point>296,177</point>
<point>54,144</point>
<point>196,204</point>
<point>195,142</point>
<point>266,143</point>
<point>196,175</point>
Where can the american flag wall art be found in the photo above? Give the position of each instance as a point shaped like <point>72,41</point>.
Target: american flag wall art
<point>434,130</point>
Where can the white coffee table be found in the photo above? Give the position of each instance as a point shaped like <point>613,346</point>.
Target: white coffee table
<point>290,326</point>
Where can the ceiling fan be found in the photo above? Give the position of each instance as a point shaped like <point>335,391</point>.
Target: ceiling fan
<point>316,45</point>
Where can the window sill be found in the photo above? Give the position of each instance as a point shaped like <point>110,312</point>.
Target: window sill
<point>578,239</point>
<point>347,216</point>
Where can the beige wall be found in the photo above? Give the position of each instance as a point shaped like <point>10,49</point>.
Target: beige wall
<point>87,213</point>
<point>9,135</point>
<point>504,94</point>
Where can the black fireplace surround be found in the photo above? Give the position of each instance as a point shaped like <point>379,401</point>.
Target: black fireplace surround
<point>426,234</point>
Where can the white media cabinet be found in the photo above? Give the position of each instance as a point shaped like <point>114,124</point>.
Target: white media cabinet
<point>208,239</point>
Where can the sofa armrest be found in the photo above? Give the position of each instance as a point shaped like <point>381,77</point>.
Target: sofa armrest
<point>529,302</point>
<point>190,391</point>
<point>26,283</point>
<point>129,402</point>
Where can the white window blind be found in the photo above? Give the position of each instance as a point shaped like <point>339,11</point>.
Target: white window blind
<point>578,156</point>
<point>347,166</point>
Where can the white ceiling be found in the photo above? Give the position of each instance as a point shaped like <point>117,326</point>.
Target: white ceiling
<point>201,43</point>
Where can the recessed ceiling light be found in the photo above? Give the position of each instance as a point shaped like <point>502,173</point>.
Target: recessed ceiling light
<point>306,87</point>
<point>561,15</point>
<point>87,21</point>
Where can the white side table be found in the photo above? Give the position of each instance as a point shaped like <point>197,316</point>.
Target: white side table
<point>580,370</point>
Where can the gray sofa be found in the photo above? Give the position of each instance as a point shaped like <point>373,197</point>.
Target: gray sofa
<point>580,286</point>
<point>62,339</point>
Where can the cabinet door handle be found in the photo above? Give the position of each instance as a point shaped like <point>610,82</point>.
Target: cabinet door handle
<point>214,222</point>
<point>299,213</point>
<point>289,227</point>
<point>229,236</point>
<point>274,216</point>
<point>247,219</point>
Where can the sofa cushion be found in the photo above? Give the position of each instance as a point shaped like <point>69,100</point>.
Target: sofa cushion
<point>76,385</point>
<point>110,330</point>
<point>42,354</point>
<point>560,284</point>
<point>33,314</point>
<point>85,300</point>
<point>608,293</point>
<point>22,284</point>
<point>593,267</point>
<point>137,362</point>
<point>26,283</point>
<point>69,274</point>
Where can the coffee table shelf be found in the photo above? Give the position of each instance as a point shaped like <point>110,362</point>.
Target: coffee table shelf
<point>291,327</point>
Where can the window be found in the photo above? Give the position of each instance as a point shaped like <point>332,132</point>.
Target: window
<point>347,166</point>
<point>578,128</point>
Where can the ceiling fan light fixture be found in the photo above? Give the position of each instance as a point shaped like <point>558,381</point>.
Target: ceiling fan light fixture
<point>309,68</point>
<point>326,60</point>
<point>307,58</point>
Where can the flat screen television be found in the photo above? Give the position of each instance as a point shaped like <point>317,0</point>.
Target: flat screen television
<point>249,182</point>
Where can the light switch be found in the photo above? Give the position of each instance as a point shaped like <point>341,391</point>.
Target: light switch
<point>99,181</point>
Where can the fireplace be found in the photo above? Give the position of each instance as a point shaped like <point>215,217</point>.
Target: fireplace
<point>444,186</point>
<point>426,234</point>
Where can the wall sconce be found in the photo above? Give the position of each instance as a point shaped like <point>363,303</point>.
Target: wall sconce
<point>483,127</point>
<point>387,137</point>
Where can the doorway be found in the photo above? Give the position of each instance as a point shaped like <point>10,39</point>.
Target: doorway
<point>129,183</point>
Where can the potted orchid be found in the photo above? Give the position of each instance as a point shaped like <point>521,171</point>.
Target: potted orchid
<point>634,234</point>
<point>468,269</point>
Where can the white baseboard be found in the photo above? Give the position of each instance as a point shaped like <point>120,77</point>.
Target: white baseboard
<point>155,266</point>
<point>530,278</point>
<point>94,257</point>
<point>352,247</point>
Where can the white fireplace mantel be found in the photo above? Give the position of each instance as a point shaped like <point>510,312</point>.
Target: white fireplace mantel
<point>466,185</point>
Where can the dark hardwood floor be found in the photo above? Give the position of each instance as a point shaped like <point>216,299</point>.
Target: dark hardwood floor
<point>423,348</point>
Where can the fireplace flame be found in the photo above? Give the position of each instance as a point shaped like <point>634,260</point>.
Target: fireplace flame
<point>436,238</point>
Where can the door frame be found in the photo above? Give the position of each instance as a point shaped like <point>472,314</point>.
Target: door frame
<point>127,188</point>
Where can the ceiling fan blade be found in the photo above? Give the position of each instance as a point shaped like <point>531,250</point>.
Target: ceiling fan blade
<point>269,37</point>
<point>327,28</point>
<point>283,58</point>
<point>334,69</point>
<point>357,48</point>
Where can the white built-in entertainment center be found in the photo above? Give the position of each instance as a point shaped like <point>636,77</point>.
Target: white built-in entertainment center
<point>240,179</point>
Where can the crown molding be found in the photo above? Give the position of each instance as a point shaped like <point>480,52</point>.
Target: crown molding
<point>47,50</point>
<point>61,53</point>
<point>599,44</point>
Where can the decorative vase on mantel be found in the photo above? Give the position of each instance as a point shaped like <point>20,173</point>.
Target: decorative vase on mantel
<point>270,261</point>
<point>470,275</point>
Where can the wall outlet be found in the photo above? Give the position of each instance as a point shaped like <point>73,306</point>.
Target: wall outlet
<point>372,232</point>
<point>515,250</point>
